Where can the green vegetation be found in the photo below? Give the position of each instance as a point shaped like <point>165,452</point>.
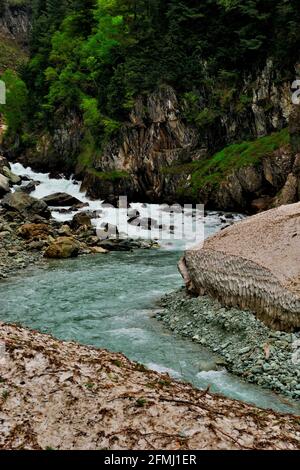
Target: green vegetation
<point>114,175</point>
<point>11,55</point>
<point>215,169</point>
<point>93,57</point>
<point>15,110</point>
<point>211,171</point>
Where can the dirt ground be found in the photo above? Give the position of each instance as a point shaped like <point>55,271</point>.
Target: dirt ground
<point>59,395</point>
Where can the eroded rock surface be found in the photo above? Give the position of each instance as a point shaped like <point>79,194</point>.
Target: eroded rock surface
<point>254,264</point>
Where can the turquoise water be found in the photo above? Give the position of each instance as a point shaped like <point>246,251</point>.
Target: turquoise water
<point>109,302</point>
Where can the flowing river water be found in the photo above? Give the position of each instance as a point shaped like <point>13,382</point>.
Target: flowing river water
<point>109,302</point>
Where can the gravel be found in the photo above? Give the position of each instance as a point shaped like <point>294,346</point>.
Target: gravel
<point>250,349</point>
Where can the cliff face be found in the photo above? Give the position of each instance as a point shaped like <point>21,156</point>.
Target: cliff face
<point>155,138</point>
<point>253,264</point>
<point>15,22</point>
<point>155,153</point>
<point>157,149</point>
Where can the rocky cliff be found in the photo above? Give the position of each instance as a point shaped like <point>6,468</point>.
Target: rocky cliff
<point>159,150</point>
<point>15,21</point>
<point>159,153</point>
<point>253,264</point>
<point>15,25</point>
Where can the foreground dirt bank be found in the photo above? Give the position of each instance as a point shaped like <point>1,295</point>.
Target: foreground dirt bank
<point>62,395</point>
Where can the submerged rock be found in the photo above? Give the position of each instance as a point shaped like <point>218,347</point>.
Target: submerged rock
<point>253,264</point>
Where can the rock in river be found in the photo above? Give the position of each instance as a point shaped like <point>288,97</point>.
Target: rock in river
<point>61,200</point>
<point>253,264</point>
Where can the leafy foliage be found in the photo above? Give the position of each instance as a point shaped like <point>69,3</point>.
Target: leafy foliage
<point>14,110</point>
<point>94,56</point>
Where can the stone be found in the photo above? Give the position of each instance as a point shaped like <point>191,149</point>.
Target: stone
<point>65,230</point>
<point>29,187</point>
<point>98,250</point>
<point>81,219</point>
<point>61,200</point>
<point>63,247</point>
<point>34,231</point>
<point>25,205</point>
<point>113,245</point>
<point>13,179</point>
<point>253,264</point>
<point>3,163</point>
<point>4,185</point>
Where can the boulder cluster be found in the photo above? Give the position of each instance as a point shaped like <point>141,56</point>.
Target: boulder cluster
<point>28,232</point>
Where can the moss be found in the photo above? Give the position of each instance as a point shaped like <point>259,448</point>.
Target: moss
<point>88,151</point>
<point>11,55</point>
<point>211,171</point>
<point>114,175</point>
<point>215,169</point>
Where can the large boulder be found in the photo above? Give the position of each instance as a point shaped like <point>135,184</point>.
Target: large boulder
<point>60,200</point>
<point>253,264</point>
<point>3,163</point>
<point>4,185</point>
<point>63,247</point>
<point>12,178</point>
<point>25,205</point>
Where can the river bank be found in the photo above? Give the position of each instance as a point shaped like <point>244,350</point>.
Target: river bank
<point>248,347</point>
<point>62,395</point>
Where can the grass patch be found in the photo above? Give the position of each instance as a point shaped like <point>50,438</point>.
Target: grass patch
<point>114,175</point>
<point>211,171</point>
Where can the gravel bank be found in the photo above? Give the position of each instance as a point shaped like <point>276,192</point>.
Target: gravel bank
<point>15,254</point>
<point>249,348</point>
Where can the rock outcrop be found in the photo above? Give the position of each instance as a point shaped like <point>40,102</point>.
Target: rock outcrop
<point>158,138</point>
<point>254,264</point>
<point>15,21</point>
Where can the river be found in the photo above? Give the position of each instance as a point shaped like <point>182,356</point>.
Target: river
<point>109,302</point>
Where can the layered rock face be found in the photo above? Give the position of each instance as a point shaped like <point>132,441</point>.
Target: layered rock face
<point>155,137</point>
<point>15,22</point>
<point>158,137</point>
<point>254,264</point>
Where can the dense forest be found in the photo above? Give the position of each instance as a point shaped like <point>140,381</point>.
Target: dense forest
<point>97,56</point>
<point>93,57</point>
